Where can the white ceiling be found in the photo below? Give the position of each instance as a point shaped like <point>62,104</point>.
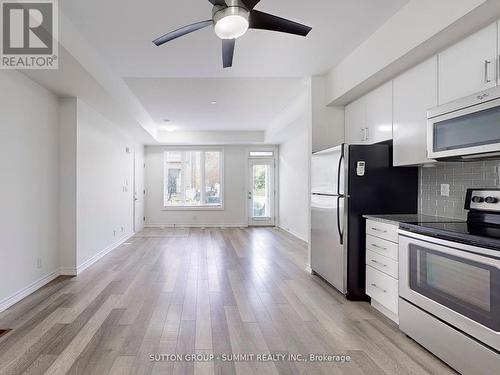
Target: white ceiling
<point>179,80</point>
<point>242,103</point>
<point>122,32</point>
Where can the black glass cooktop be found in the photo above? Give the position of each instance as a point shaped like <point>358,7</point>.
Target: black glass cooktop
<point>469,233</point>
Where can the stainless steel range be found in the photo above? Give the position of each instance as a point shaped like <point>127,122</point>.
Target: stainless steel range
<point>449,285</point>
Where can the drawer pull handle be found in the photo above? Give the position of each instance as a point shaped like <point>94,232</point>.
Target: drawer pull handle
<point>382,264</point>
<point>379,247</point>
<point>376,286</point>
<point>379,230</point>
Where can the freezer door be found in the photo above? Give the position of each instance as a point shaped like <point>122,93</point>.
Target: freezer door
<point>325,171</point>
<point>327,252</point>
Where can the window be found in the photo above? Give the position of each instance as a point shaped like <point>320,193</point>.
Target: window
<point>261,154</point>
<point>193,178</point>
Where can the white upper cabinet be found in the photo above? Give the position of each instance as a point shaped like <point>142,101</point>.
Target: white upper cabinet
<point>369,119</point>
<point>415,92</point>
<point>469,66</point>
<point>355,122</point>
<point>379,114</point>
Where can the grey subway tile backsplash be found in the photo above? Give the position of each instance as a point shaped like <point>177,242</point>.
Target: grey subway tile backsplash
<point>460,176</point>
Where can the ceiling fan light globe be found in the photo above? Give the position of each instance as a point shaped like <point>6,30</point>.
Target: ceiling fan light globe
<point>231,26</point>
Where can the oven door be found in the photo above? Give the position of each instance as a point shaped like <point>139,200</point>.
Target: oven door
<point>465,131</point>
<point>459,284</point>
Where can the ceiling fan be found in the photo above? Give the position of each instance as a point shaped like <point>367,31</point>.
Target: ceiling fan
<point>231,19</point>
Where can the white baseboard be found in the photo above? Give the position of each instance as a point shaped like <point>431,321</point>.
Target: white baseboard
<point>82,267</point>
<point>384,310</point>
<point>26,291</point>
<point>309,270</point>
<point>63,271</point>
<point>289,231</point>
<point>211,225</point>
<point>68,271</point>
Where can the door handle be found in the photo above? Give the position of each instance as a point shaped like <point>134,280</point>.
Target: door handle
<point>339,228</point>
<point>339,170</point>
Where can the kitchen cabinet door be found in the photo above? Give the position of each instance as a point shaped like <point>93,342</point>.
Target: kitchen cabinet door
<point>379,114</point>
<point>469,66</point>
<point>355,121</point>
<point>415,91</point>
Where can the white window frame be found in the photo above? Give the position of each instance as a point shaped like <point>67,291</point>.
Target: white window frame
<point>254,156</point>
<point>202,207</point>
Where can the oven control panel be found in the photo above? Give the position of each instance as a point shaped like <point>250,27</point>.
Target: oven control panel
<point>483,200</point>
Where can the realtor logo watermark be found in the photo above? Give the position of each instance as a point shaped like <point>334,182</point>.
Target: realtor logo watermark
<point>29,37</point>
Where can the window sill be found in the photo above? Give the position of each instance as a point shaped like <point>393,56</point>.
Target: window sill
<point>194,208</point>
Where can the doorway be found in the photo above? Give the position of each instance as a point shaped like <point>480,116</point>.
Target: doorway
<point>261,192</point>
<point>138,192</point>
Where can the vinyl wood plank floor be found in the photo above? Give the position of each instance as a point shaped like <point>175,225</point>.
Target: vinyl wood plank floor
<point>205,292</point>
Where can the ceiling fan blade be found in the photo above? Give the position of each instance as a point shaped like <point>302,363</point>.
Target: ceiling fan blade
<point>218,2</point>
<point>228,52</point>
<point>182,31</point>
<point>251,3</point>
<point>265,21</point>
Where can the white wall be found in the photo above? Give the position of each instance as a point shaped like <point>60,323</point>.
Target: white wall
<point>294,180</point>
<point>293,132</point>
<point>104,185</point>
<point>235,198</point>
<point>214,137</point>
<point>327,122</point>
<point>29,184</point>
<point>420,29</point>
<point>67,185</point>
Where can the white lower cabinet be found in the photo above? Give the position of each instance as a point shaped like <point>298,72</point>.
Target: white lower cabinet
<point>383,289</point>
<point>382,267</point>
<point>382,263</point>
<point>384,231</point>
<point>383,247</point>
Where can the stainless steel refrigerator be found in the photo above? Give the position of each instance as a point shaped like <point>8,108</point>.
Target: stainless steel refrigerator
<point>347,182</point>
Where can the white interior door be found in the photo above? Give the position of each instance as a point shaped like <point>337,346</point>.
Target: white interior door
<point>138,195</point>
<point>261,192</point>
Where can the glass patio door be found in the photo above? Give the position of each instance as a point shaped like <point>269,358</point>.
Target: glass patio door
<point>261,192</point>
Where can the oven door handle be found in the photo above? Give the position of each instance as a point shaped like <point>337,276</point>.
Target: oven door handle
<point>473,253</point>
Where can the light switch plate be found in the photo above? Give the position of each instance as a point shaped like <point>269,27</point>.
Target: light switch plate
<point>445,190</point>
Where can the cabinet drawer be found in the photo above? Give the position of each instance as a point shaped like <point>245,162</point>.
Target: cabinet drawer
<point>383,247</point>
<point>382,263</point>
<point>382,288</point>
<point>382,230</point>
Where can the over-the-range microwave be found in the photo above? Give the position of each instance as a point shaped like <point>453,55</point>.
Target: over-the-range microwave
<point>465,129</point>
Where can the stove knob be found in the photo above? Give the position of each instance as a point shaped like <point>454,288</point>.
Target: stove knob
<point>477,199</point>
<point>491,200</point>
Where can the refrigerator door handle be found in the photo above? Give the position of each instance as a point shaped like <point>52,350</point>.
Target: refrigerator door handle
<point>339,228</point>
<point>339,171</point>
